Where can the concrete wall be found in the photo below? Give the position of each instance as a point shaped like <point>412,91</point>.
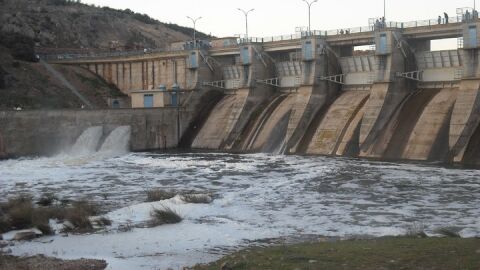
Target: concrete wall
<point>49,132</point>
<point>136,74</point>
<point>159,99</point>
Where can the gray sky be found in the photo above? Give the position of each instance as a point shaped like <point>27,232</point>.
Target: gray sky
<point>270,18</point>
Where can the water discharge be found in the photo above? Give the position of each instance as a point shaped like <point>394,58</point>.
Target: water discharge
<point>257,197</point>
<point>88,142</point>
<point>117,143</point>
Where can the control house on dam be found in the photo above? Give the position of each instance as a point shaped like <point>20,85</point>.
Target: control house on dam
<point>314,93</point>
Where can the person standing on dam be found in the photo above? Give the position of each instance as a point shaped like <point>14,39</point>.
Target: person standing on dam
<point>439,19</point>
<point>446,17</point>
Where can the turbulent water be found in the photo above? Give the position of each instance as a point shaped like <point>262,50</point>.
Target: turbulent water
<point>256,197</point>
<point>88,142</point>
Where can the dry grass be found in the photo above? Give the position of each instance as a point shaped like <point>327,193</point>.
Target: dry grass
<point>78,217</point>
<point>103,222</point>
<point>156,195</point>
<point>163,216</point>
<point>416,230</point>
<point>197,198</point>
<point>19,213</point>
<point>47,199</point>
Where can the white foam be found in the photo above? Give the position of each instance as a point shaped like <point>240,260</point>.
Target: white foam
<point>256,196</point>
<point>88,142</point>
<point>117,143</point>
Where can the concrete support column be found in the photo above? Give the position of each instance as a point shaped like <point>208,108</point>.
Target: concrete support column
<point>387,94</point>
<point>465,117</point>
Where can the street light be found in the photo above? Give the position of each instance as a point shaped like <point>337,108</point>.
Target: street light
<point>309,8</point>
<point>246,20</point>
<point>194,29</point>
<point>384,8</point>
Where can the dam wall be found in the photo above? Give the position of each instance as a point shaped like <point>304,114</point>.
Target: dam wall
<point>26,133</point>
<point>315,93</point>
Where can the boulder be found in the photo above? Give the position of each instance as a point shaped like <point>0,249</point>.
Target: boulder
<point>26,235</point>
<point>3,244</point>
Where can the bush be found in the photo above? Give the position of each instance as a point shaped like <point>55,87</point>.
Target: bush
<point>4,224</point>
<point>164,216</point>
<point>156,195</point>
<point>78,221</point>
<point>78,216</point>
<point>47,199</point>
<point>20,212</point>
<point>89,208</point>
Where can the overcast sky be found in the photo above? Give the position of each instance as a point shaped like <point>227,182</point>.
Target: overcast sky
<point>277,17</point>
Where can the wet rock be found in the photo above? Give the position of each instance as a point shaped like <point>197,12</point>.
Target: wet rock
<point>26,235</point>
<point>68,225</point>
<point>3,244</point>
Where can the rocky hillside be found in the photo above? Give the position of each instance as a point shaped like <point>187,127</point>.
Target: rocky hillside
<point>71,24</point>
<point>30,86</point>
<point>27,26</point>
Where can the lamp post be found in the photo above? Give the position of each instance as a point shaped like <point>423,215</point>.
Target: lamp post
<point>246,20</point>
<point>309,9</point>
<point>384,8</point>
<point>194,21</point>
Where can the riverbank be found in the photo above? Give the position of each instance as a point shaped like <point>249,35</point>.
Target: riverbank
<point>380,253</point>
<point>8,262</point>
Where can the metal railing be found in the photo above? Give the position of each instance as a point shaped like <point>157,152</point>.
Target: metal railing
<point>288,37</point>
<point>71,56</point>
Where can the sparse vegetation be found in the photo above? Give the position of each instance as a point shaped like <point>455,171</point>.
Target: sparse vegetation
<point>47,199</point>
<point>164,215</point>
<point>103,222</point>
<point>78,217</point>
<point>380,253</point>
<point>22,47</point>
<point>156,195</point>
<point>416,230</point>
<point>197,198</point>
<point>451,232</point>
<point>20,213</point>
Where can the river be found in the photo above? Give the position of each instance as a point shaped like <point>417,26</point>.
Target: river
<point>257,197</point>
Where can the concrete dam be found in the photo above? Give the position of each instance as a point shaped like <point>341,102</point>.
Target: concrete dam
<point>314,93</point>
